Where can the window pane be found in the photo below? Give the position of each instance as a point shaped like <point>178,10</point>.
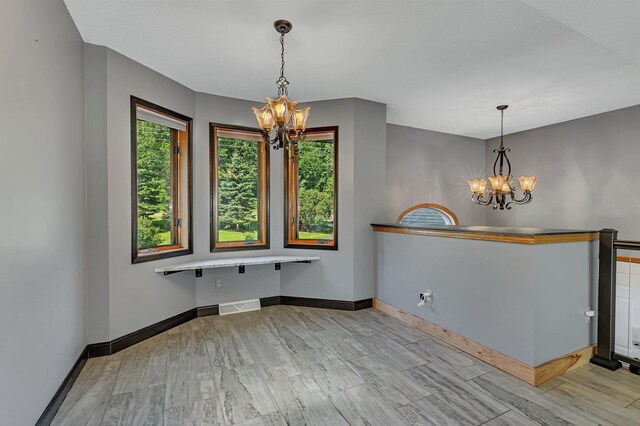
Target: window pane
<point>238,165</point>
<point>426,216</point>
<point>154,185</point>
<point>315,190</point>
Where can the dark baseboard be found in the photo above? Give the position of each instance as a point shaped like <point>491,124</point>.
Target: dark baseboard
<point>143,334</point>
<point>98,349</point>
<point>50,412</point>
<point>107,348</point>
<point>343,305</point>
<point>362,304</point>
<point>270,301</point>
<point>204,311</point>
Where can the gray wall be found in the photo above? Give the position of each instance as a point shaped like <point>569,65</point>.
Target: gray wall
<point>370,155</point>
<point>347,274</point>
<point>42,191</point>
<point>588,171</point>
<point>332,276</point>
<point>432,167</point>
<point>123,297</point>
<point>547,293</point>
<point>260,281</point>
<point>97,215</point>
<point>137,296</point>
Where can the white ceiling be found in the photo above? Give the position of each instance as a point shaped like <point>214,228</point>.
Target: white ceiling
<point>438,64</point>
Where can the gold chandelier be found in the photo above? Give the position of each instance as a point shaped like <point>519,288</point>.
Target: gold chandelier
<point>281,114</point>
<point>502,193</point>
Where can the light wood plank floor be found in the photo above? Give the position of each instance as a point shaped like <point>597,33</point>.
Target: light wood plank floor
<point>291,365</point>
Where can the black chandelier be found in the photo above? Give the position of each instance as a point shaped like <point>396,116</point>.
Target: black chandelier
<point>281,114</point>
<point>502,192</point>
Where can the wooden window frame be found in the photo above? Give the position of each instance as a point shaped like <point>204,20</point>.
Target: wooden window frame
<point>263,193</point>
<point>182,248</point>
<point>291,198</point>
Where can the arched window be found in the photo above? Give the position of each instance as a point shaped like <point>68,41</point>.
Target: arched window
<point>427,214</point>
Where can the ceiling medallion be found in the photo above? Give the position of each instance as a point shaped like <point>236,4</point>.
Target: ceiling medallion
<point>281,114</point>
<point>502,192</point>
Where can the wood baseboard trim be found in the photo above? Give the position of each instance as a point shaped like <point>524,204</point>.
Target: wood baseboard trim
<point>143,334</point>
<point>532,375</point>
<point>205,311</point>
<point>270,301</point>
<point>343,305</point>
<point>52,408</point>
<point>559,366</point>
<point>98,349</point>
<point>109,348</point>
<point>362,304</point>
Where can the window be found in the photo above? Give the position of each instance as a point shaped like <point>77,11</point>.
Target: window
<point>239,167</point>
<point>311,191</point>
<point>427,214</point>
<point>161,182</point>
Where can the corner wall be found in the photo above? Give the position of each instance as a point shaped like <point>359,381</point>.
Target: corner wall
<point>43,212</point>
<point>587,170</point>
<point>137,296</point>
<point>258,281</point>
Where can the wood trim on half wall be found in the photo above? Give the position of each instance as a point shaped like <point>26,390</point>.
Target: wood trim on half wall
<point>532,375</point>
<point>487,236</point>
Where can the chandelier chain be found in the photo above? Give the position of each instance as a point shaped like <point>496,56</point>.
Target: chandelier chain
<point>282,82</point>
<point>501,128</point>
<point>282,55</point>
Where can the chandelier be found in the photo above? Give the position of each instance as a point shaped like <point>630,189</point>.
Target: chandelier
<point>502,192</point>
<point>281,114</point>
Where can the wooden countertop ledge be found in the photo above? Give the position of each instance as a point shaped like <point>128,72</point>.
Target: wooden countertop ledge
<point>492,233</point>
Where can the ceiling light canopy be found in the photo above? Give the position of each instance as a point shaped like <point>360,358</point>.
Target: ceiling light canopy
<point>281,113</point>
<point>502,192</point>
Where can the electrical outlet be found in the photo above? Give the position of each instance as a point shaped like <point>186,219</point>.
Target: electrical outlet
<point>218,282</point>
<point>426,297</point>
<point>589,313</point>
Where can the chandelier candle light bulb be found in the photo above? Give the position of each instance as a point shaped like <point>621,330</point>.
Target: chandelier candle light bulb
<point>527,183</point>
<point>477,186</point>
<point>502,193</point>
<point>281,113</point>
<point>265,118</point>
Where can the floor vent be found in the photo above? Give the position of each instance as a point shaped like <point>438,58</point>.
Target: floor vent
<point>237,307</point>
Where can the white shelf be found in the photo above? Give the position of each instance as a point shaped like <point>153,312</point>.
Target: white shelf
<point>241,262</point>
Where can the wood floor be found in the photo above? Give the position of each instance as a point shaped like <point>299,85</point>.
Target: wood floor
<point>292,365</point>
